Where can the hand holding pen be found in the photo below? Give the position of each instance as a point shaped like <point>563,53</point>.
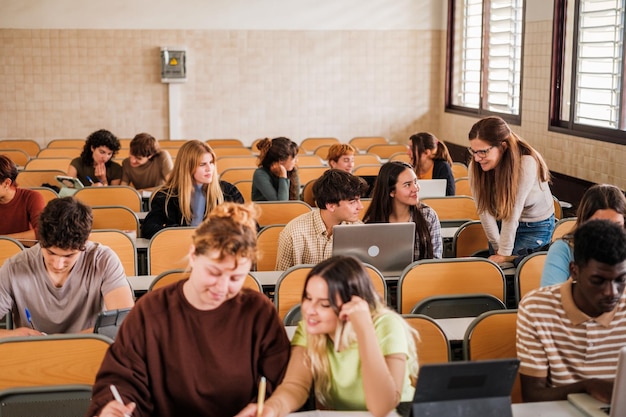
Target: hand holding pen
<point>117,408</point>
<point>26,331</point>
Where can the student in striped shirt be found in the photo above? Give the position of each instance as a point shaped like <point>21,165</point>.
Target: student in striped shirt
<point>569,335</point>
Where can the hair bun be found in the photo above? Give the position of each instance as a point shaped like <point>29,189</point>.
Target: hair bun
<point>243,214</point>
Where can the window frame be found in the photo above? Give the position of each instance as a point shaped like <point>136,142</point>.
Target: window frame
<point>481,111</point>
<point>558,64</point>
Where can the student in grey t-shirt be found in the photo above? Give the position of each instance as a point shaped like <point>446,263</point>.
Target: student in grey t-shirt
<point>64,281</point>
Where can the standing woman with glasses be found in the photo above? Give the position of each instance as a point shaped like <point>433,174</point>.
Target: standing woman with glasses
<point>509,181</point>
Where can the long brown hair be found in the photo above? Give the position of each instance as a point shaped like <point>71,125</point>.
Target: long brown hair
<point>422,141</point>
<point>495,190</point>
<point>277,150</point>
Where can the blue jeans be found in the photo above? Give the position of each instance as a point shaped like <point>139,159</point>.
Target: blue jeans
<point>530,236</point>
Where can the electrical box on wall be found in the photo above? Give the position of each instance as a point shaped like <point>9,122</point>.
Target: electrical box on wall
<point>173,64</point>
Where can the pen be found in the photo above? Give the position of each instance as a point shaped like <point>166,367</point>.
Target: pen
<point>117,396</point>
<point>29,318</point>
<point>89,179</point>
<point>261,399</point>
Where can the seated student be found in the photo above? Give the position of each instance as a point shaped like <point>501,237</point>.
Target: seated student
<point>569,335</point>
<point>354,351</point>
<point>396,199</point>
<point>276,179</point>
<point>190,193</point>
<point>601,201</point>
<point>19,207</point>
<point>308,239</point>
<point>65,280</point>
<point>431,160</point>
<point>148,165</point>
<point>341,156</point>
<point>95,166</point>
<point>198,347</point>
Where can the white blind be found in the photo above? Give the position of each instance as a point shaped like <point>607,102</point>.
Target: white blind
<point>599,63</point>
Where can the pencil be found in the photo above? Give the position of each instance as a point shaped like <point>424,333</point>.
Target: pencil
<point>117,396</point>
<point>261,399</point>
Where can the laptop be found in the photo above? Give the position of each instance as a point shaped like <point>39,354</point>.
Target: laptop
<point>591,407</point>
<point>432,188</point>
<point>386,246</point>
<point>109,322</point>
<point>465,389</point>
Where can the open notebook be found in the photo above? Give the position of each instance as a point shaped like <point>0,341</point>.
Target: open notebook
<point>591,407</point>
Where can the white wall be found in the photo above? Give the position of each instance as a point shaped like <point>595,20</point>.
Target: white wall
<point>224,14</point>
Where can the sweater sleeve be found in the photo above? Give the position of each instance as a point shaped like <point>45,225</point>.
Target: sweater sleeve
<point>34,206</point>
<point>443,170</point>
<point>293,392</point>
<point>156,219</point>
<point>262,184</point>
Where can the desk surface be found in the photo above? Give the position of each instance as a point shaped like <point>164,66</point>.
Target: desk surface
<point>542,409</point>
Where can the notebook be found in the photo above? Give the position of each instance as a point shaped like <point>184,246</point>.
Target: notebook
<point>591,407</point>
<point>432,188</point>
<point>386,246</point>
<point>465,389</point>
<point>69,185</point>
<point>109,322</point>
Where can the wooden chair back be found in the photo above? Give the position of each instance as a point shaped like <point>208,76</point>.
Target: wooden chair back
<point>59,153</point>
<point>170,144</point>
<point>366,203</point>
<point>51,360</point>
<point>528,274</point>
<point>453,207</point>
<point>168,277</point>
<point>117,195</point>
<point>563,227</point>
<point>385,150</point>
<point>9,247</point>
<point>280,212</point>
<point>307,193</point>
<point>321,152</point>
<point>232,175</point>
<point>492,336</point>
<point>433,345</point>
<point>430,277</point>
<point>469,239</point>
<point>66,143</point>
<point>400,156</point>
<point>267,244</point>
<point>18,156</point>
<point>459,170</point>
<point>59,164</point>
<point>310,161</point>
<point>122,245</point>
<point>245,188</point>
<point>28,179</point>
<point>232,151</point>
<point>378,280</point>
<point>227,162</point>
<point>362,143</point>
<point>225,143</point>
<point>47,193</point>
<point>289,287</point>
<point>29,146</point>
<point>462,186</point>
<point>366,159</point>
<point>115,217</point>
<point>168,249</point>
<point>310,144</point>
<point>307,174</point>
<point>558,210</point>
<point>366,170</point>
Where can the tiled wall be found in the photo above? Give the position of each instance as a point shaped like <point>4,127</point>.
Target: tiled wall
<point>242,84</point>
<point>248,84</point>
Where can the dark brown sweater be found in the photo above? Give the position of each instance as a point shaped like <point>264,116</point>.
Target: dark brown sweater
<point>174,360</point>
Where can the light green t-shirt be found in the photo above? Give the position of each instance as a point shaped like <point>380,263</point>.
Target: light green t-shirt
<point>345,366</point>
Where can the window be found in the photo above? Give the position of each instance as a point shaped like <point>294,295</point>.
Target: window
<point>485,57</point>
<point>588,69</point>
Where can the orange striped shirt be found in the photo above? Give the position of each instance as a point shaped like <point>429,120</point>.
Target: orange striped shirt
<point>558,341</point>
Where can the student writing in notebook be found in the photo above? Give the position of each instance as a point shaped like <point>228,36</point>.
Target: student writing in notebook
<point>198,347</point>
<point>62,283</point>
<point>355,352</point>
<point>95,165</point>
<point>396,199</point>
<point>308,239</point>
<point>569,335</point>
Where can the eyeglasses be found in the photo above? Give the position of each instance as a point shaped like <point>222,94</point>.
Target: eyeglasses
<point>481,153</point>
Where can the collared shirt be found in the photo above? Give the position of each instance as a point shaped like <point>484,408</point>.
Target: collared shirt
<point>304,241</point>
<point>555,339</point>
